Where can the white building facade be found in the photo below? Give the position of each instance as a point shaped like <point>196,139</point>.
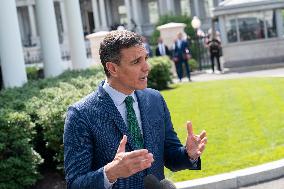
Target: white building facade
<point>252,32</point>
<point>53,31</point>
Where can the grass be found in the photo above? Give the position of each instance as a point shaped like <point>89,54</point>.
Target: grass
<point>244,120</point>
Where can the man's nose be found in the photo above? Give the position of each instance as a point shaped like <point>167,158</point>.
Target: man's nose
<point>146,66</point>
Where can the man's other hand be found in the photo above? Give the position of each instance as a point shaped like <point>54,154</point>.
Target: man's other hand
<point>195,144</point>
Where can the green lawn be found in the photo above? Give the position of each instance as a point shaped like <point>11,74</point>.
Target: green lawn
<point>244,120</point>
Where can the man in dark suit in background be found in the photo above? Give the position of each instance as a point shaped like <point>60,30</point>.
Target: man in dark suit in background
<point>162,49</point>
<point>181,56</point>
<point>122,132</point>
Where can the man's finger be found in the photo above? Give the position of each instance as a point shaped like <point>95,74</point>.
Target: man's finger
<point>189,128</point>
<point>202,147</point>
<point>137,153</point>
<point>202,134</point>
<point>121,147</point>
<point>204,140</point>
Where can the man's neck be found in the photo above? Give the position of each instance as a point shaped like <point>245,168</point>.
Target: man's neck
<point>115,85</point>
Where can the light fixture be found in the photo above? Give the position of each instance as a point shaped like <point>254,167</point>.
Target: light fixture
<point>196,23</point>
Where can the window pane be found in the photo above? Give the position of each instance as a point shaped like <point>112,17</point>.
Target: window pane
<point>251,26</point>
<point>153,12</point>
<point>185,7</point>
<point>122,14</point>
<point>231,29</point>
<point>270,19</point>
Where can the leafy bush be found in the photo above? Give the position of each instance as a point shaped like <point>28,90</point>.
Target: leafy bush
<point>18,160</point>
<point>34,73</point>
<point>193,64</point>
<point>160,75</point>
<point>45,102</point>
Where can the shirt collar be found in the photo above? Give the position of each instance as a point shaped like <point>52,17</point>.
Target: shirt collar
<point>117,97</point>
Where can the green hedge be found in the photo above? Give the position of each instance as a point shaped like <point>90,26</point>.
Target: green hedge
<point>160,75</point>
<point>32,119</point>
<point>18,160</point>
<point>36,119</point>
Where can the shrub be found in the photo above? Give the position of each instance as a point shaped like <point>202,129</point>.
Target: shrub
<point>18,160</point>
<point>34,73</point>
<point>193,64</point>
<point>160,75</point>
<point>45,103</point>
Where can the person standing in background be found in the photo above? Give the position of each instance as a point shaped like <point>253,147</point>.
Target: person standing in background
<point>147,46</point>
<point>214,44</point>
<point>162,49</point>
<point>181,56</point>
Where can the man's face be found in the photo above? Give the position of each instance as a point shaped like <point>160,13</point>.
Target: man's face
<point>132,71</point>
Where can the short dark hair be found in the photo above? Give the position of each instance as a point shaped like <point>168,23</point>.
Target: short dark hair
<point>113,43</point>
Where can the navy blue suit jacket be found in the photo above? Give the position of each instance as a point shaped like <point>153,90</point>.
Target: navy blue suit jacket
<point>179,52</point>
<point>93,130</point>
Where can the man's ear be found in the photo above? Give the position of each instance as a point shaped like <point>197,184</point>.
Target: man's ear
<point>112,68</point>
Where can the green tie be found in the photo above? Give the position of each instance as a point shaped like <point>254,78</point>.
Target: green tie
<point>133,123</point>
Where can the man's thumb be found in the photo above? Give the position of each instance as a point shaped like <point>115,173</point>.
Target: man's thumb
<point>121,147</point>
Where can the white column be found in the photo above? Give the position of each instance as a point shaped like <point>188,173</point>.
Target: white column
<point>96,15</point>
<point>137,15</point>
<point>34,36</point>
<point>11,51</point>
<point>64,22</point>
<point>103,14</point>
<point>49,38</point>
<point>279,23</point>
<point>223,30</point>
<point>76,36</point>
<point>196,8</point>
<point>109,13</point>
<point>129,16</point>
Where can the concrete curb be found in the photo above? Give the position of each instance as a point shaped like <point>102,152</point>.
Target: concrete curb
<point>237,179</point>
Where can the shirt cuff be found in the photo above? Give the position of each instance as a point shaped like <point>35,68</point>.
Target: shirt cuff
<point>107,184</point>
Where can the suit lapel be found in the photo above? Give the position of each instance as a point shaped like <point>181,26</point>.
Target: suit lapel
<point>109,106</point>
<point>144,106</point>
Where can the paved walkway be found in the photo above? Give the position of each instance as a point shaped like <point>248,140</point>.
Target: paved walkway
<point>276,184</point>
<point>207,75</point>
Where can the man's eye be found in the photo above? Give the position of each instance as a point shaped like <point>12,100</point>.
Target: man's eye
<point>136,61</point>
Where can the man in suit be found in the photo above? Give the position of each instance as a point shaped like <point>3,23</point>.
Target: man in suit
<point>162,49</point>
<point>181,56</point>
<point>122,132</point>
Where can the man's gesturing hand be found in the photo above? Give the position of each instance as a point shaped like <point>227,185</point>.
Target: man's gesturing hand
<point>195,144</point>
<point>126,164</point>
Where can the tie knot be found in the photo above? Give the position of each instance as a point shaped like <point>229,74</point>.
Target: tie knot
<point>128,100</point>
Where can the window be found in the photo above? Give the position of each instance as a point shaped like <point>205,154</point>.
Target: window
<point>251,26</point>
<point>231,27</point>
<point>185,7</point>
<point>208,5</point>
<point>122,14</point>
<point>270,21</point>
<point>153,12</point>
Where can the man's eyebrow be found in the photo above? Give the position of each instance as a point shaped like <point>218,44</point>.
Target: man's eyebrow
<point>136,58</point>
